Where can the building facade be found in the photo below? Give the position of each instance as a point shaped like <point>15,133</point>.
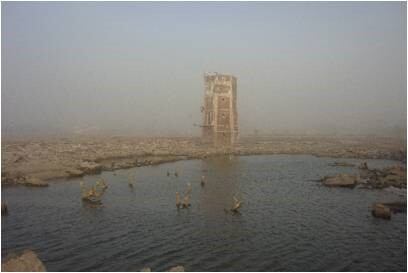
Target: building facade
<point>220,118</point>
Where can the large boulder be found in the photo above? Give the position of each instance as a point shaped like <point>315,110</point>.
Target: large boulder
<point>340,180</point>
<point>381,211</point>
<point>27,261</point>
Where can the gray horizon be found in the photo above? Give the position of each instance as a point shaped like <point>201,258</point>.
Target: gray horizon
<point>137,68</point>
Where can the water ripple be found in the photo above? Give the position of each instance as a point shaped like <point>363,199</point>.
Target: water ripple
<point>287,223</point>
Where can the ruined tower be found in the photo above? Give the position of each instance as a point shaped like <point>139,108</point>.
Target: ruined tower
<point>220,120</point>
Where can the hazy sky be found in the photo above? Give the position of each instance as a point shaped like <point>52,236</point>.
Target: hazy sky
<point>137,68</point>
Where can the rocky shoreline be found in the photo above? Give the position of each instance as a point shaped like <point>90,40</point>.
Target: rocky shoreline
<point>40,160</point>
<point>395,176</point>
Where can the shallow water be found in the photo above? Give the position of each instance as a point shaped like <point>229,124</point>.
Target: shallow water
<point>287,223</point>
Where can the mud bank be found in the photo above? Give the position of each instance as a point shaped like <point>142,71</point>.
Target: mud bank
<point>47,159</point>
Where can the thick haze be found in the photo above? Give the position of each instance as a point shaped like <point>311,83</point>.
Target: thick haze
<point>137,68</point>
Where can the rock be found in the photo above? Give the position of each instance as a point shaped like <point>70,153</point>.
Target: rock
<point>395,176</point>
<point>390,180</point>
<point>396,207</point>
<point>11,178</point>
<point>397,191</point>
<point>27,261</point>
<point>146,269</point>
<point>89,167</point>
<point>381,211</point>
<point>340,180</point>
<point>92,200</point>
<point>75,173</point>
<point>178,268</point>
<point>124,165</point>
<point>396,170</point>
<point>34,182</point>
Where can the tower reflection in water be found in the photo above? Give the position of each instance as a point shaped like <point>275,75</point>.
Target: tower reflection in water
<point>222,183</point>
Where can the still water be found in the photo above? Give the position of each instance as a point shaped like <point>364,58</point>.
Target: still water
<point>287,223</point>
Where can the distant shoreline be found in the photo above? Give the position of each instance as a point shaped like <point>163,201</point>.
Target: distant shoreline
<point>72,157</point>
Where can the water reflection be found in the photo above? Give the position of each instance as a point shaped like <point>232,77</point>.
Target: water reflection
<point>222,184</point>
<point>287,222</point>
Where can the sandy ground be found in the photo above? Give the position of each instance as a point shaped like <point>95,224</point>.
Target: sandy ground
<point>69,157</point>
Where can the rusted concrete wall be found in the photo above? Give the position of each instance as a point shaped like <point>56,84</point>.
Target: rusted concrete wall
<point>220,119</point>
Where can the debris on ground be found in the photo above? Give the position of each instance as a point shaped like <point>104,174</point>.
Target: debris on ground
<point>394,176</point>
<point>237,205</point>
<point>178,201</point>
<point>94,193</point>
<point>178,268</point>
<point>340,180</point>
<point>34,182</point>
<point>4,209</point>
<point>186,198</point>
<point>341,164</point>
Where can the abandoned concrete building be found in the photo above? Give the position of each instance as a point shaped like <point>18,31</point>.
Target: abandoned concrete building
<point>220,120</point>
